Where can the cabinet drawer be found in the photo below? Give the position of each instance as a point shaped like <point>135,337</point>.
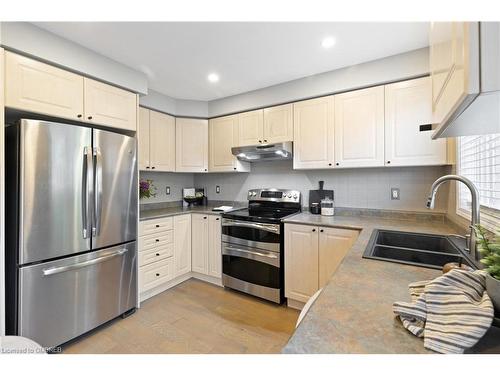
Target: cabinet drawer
<point>155,254</point>
<point>155,274</point>
<point>155,225</point>
<point>155,240</point>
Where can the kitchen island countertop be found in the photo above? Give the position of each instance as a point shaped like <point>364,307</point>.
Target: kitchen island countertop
<point>353,313</point>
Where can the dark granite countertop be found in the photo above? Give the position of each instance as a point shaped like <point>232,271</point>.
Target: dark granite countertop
<point>155,213</point>
<point>353,313</point>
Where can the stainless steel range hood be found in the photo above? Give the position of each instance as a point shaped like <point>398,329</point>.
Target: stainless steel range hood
<point>265,152</point>
<point>478,111</point>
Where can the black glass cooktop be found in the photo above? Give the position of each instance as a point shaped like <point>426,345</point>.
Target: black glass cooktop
<point>260,215</point>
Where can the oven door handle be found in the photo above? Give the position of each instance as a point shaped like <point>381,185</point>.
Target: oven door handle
<point>269,258</point>
<point>265,227</point>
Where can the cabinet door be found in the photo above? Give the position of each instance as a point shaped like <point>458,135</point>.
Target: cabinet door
<point>191,145</point>
<point>162,142</point>
<point>199,243</point>
<point>214,246</point>
<point>37,87</point>
<point>359,128</point>
<point>301,261</point>
<point>441,56</point>
<point>313,133</point>
<point>278,124</point>
<point>182,244</point>
<point>251,130</point>
<point>143,137</point>
<point>110,106</point>
<point>408,105</point>
<point>223,135</point>
<point>334,244</point>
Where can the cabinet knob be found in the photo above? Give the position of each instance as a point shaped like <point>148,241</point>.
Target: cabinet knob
<point>260,141</point>
<point>321,230</point>
<point>329,164</point>
<point>337,163</point>
<point>157,240</point>
<point>152,167</point>
<point>157,254</point>
<point>234,168</point>
<point>205,169</point>
<point>157,225</point>
<point>147,167</point>
<point>265,140</point>
<point>79,115</point>
<point>157,274</point>
<point>204,217</point>
<point>217,219</point>
<point>90,117</point>
<point>388,162</point>
<point>314,230</point>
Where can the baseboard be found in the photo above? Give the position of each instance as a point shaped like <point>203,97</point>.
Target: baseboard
<point>209,279</point>
<point>179,279</point>
<point>294,304</point>
<point>161,288</point>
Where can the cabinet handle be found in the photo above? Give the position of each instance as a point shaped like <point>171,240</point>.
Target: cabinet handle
<point>388,162</point>
<point>260,141</point>
<point>152,167</point>
<point>79,115</point>
<point>217,219</point>
<point>337,163</point>
<point>234,168</point>
<point>157,225</point>
<point>329,164</point>
<point>157,240</point>
<point>147,167</point>
<point>205,169</point>
<point>321,230</point>
<point>204,217</point>
<point>157,254</point>
<point>314,230</point>
<point>90,117</point>
<point>265,140</point>
<point>157,274</point>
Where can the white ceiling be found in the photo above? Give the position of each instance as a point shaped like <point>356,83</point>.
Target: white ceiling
<point>177,57</point>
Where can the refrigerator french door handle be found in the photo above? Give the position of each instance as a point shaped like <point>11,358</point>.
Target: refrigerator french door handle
<point>96,228</point>
<point>56,270</point>
<point>85,192</point>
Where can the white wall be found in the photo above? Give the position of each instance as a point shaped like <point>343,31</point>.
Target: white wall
<point>161,180</point>
<point>177,107</point>
<point>394,68</point>
<point>33,41</point>
<point>359,188</point>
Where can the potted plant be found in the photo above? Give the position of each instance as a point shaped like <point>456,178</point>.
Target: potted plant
<point>489,248</point>
<point>146,189</point>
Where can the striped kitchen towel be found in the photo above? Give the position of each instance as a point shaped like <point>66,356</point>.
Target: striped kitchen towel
<point>451,312</point>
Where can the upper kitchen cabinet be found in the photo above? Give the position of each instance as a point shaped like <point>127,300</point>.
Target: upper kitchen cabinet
<point>223,135</point>
<point>251,128</point>
<point>162,141</point>
<point>313,133</point>
<point>109,105</point>
<point>278,124</point>
<point>143,130</point>
<point>454,66</point>
<point>191,145</point>
<point>41,88</point>
<point>156,139</point>
<point>37,87</point>
<point>359,128</point>
<point>408,119</point>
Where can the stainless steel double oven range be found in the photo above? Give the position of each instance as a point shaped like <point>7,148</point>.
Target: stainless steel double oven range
<point>252,243</point>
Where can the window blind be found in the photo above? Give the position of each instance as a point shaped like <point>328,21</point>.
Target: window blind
<point>479,161</point>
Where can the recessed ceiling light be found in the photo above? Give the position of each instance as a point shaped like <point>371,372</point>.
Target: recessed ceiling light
<point>328,42</point>
<point>213,77</point>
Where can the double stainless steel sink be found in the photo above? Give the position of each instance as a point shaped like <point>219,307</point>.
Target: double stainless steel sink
<point>418,249</point>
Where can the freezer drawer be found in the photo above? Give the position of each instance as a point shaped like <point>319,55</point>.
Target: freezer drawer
<point>63,299</point>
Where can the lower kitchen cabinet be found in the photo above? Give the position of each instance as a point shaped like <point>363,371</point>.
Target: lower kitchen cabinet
<point>312,254</point>
<point>206,245</point>
<point>182,244</point>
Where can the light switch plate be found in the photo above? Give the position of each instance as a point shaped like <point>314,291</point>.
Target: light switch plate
<point>395,194</point>
<point>217,189</point>
<point>167,190</point>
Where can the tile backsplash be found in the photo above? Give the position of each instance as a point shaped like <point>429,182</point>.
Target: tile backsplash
<point>357,188</point>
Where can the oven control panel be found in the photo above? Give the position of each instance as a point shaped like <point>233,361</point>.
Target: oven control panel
<point>274,195</point>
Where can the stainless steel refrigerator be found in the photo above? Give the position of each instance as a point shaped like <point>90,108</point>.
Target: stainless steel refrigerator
<point>71,224</point>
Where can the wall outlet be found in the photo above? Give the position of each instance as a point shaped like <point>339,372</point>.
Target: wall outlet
<point>167,190</point>
<point>395,194</point>
<point>217,189</point>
